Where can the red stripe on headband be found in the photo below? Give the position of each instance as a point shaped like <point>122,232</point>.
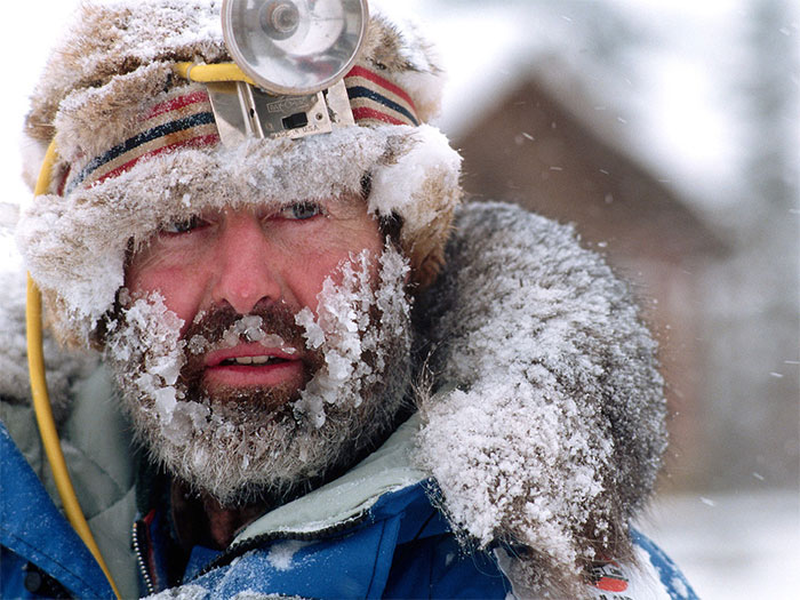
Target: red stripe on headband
<point>361,113</point>
<point>177,103</point>
<point>375,78</point>
<point>195,106</point>
<point>197,142</point>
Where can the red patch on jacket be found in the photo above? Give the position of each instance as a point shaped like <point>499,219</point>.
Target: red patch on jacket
<point>607,576</point>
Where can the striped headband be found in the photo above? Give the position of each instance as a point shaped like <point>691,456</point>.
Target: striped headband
<point>374,99</point>
<point>185,121</point>
<point>188,122</point>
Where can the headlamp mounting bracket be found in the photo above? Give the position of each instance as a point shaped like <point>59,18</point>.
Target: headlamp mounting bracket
<point>294,55</point>
<point>245,111</point>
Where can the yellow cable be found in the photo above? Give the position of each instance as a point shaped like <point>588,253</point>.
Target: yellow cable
<point>214,73</point>
<point>41,401</point>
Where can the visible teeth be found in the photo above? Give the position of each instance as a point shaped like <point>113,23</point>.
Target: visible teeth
<point>249,360</point>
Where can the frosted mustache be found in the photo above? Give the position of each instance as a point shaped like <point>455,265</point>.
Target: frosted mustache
<point>249,328</point>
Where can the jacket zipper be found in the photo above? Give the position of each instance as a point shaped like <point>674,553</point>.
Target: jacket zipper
<point>259,540</point>
<point>140,559</point>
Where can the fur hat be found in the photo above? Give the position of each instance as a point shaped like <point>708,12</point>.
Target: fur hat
<point>113,77</point>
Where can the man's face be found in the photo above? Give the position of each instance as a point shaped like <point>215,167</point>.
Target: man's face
<point>242,261</point>
<point>260,348</point>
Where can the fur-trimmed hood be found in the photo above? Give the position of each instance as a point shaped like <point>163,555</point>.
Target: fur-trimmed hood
<point>544,424</point>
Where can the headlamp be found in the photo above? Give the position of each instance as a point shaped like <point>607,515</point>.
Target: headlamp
<point>296,52</point>
<point>294,47</point>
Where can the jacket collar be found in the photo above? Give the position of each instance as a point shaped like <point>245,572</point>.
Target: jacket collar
<point>348,498</point>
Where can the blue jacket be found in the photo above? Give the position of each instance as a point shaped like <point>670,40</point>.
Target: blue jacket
<point>401,547</point>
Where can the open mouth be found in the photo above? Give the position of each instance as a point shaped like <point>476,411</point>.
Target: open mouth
<point>253,369</point>
<point>250,361</point>
<point>249,365</point>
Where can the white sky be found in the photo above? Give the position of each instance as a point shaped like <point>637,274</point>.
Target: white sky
<point>27,31</point>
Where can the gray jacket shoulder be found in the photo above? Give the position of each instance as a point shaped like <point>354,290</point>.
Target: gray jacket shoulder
<point>63,367</point>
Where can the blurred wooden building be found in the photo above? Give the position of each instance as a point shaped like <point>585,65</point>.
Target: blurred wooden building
<point>546,147</point>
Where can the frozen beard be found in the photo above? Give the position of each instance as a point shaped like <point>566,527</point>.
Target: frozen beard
<point>243,445</point>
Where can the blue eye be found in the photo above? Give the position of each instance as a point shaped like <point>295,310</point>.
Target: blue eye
<point>300,211</point>
<point>184,226</point>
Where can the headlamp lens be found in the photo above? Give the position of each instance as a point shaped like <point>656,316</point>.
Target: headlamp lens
<point>294,46</point>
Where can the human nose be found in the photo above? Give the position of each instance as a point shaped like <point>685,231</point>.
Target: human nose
<point>245,263</point>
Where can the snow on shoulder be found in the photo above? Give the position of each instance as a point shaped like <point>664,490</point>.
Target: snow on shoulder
<point>547,418</point>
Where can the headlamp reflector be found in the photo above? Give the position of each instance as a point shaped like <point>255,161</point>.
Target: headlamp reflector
<point>294,47</point>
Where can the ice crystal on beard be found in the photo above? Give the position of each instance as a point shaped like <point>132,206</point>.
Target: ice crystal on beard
<point>197,344</point>
<point>249,328</point>
<point>150,338</point>
<point>342,329</point>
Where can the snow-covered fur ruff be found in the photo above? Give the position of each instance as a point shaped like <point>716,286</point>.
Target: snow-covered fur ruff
<point>545,421</point>
<point>117,63</point>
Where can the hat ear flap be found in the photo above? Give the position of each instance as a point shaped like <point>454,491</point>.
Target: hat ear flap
<point>420,183</point>
<point>425,245</point>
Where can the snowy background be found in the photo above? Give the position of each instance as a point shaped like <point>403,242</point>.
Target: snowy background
<point>705,95</point>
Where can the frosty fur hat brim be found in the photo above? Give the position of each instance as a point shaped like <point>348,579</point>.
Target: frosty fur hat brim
<point>118,62</point>
<point>82,272</point>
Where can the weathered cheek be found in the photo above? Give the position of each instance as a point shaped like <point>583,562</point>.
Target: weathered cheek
<point>158,267</point>
<point>147,272</point>
<point>306,281</point>
<point>180,286</point>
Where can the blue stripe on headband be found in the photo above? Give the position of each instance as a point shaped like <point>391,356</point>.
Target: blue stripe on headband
<point>360,91</point>
<point>139,139</point>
